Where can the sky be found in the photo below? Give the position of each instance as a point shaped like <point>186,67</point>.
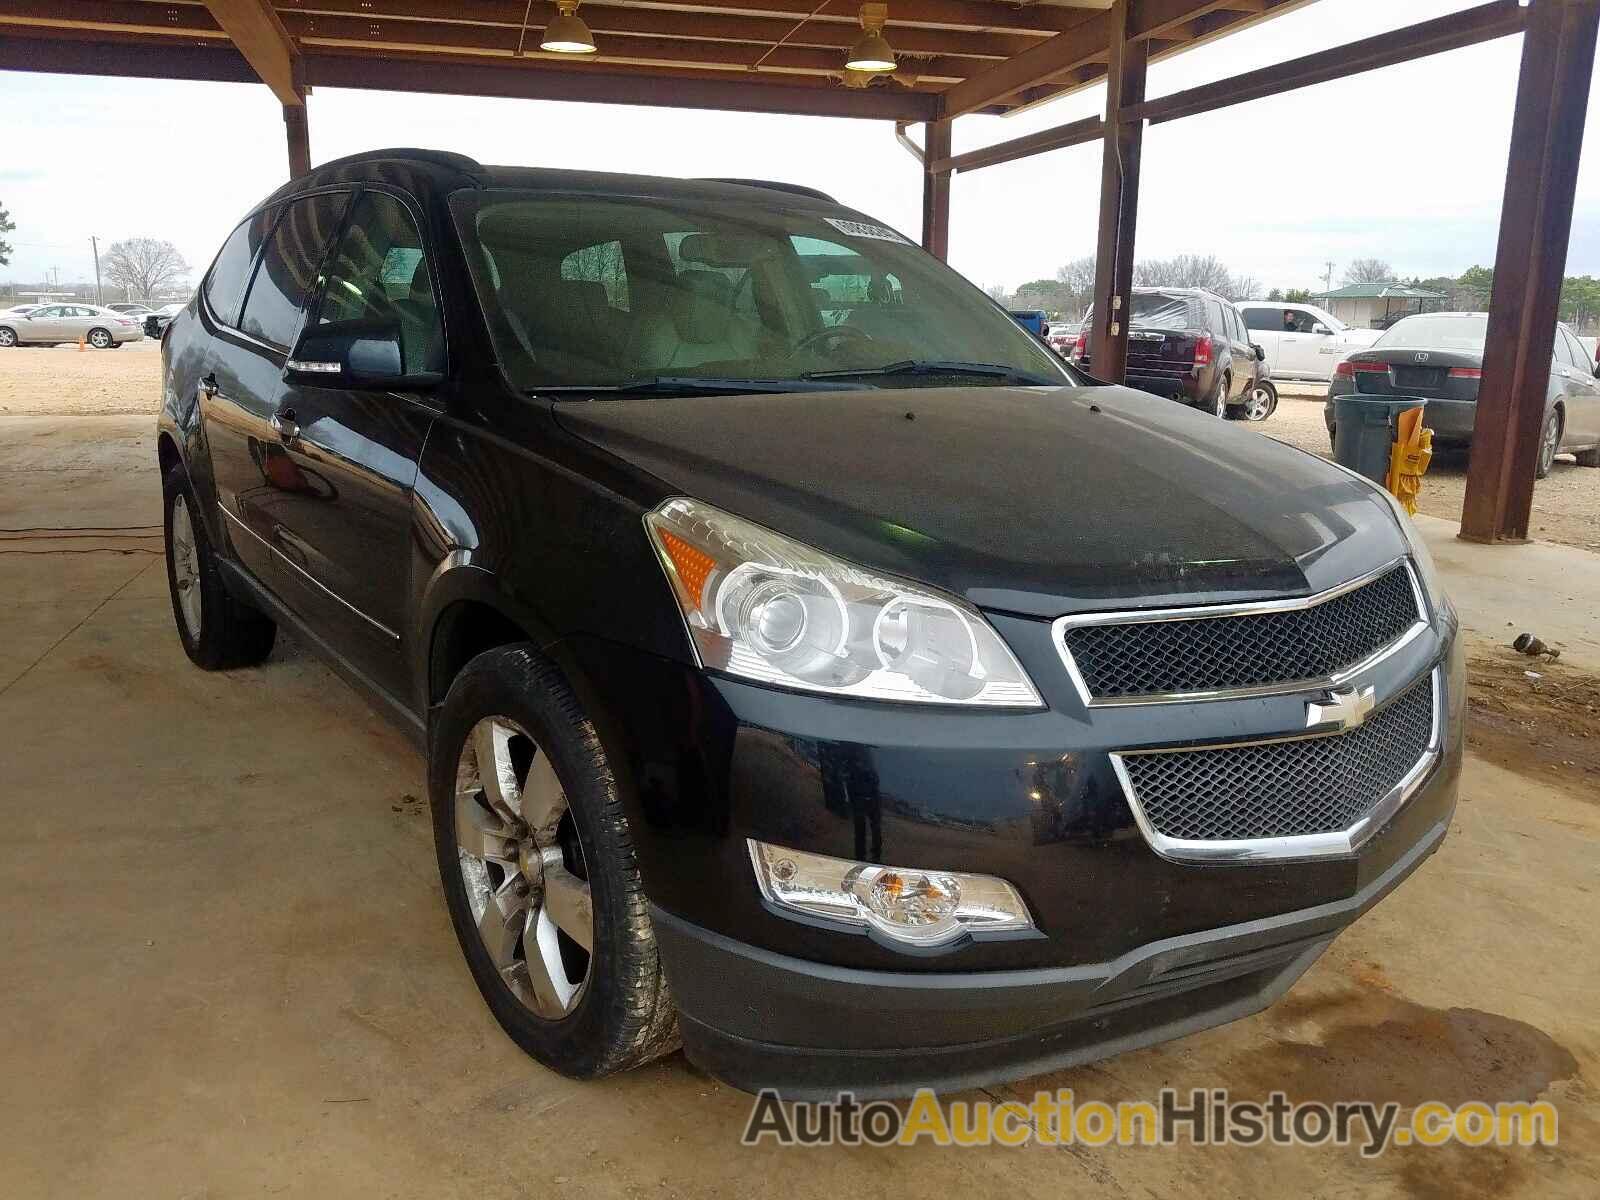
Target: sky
<point>1406,164</point>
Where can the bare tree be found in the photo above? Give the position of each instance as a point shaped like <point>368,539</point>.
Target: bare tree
<point>1077,285</point>
<point>1183,270</point>
<point>143,267</point>
<point>1242,287</point>
<point>1368,270</point>
<point>6,226</point>
<point>997,292</point>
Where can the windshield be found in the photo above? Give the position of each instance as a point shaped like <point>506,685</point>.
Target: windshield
<point>1437,333</point>
<point>600,293</point>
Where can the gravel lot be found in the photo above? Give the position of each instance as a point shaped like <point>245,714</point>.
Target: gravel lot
<point>1566,506</point>
<point>61,380</point>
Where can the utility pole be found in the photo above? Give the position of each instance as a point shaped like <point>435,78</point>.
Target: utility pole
<point>95,246</point>
<point>1327,279</point>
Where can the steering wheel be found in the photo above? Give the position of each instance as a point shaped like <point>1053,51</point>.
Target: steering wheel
<point>832,333</point>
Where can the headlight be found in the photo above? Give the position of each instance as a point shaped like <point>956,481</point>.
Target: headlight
<point>768,608</point>
<point>919,908</point>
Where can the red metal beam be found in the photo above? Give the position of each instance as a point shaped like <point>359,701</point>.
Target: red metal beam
<point>1119,200</point>
<point>1558,55</point>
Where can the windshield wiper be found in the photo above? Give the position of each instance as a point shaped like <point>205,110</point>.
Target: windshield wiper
<point>932,366</point>
<point>692,385</point>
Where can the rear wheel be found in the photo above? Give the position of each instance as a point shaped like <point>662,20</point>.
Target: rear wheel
<point>217,631</point>
<point>1549,443</point>
<point>539,871</point>
<point>99,338</point>
<point>1217,406</point>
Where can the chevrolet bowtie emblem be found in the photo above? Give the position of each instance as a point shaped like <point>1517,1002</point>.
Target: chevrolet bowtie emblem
<point>1341,710</point>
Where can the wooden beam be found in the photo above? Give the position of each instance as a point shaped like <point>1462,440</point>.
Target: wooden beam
<point>1474,25</point>
<point>254,28</point>
<point>534,79</point>
<point>1119,200</point>
<point>1558,54</point>
<point>298,135</point>
<point>936,191</point>
<point>1073,133</point>
<point>1088,37</point>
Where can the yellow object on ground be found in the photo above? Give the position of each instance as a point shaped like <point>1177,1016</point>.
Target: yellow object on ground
<point>1408,461</point>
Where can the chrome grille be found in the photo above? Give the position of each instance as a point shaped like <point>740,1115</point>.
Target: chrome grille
<point>1242,647</point>
<point>1293,788</point>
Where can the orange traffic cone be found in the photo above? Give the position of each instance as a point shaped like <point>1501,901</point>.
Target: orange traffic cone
<point>82,345</point>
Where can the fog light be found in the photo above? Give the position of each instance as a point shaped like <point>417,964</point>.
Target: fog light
<point>918,908</point>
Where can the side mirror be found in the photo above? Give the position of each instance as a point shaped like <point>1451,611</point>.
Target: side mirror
<point>1261,355</point>
<point>355,354</point>
<point>1319,327</point>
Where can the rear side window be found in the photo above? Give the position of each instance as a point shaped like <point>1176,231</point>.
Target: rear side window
<point>380,273</point>
<point>225,284</point>
<point>288,268</point>
<point>1158,308</point>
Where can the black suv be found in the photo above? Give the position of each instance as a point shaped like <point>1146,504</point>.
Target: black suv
<point>1186,344</point>
<point>809,664</point>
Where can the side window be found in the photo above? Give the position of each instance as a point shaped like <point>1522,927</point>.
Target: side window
<point>380,273</point>
<point>1263,318</point>
<point>1575,352</point>
<point>601,263</point>
<point>1214,318</point>
<point>846,286</point>
<point>224,286</point>
<point>284,278</point>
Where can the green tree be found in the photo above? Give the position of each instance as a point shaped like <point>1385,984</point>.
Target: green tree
<point>1297,296</point>
<point>1275,294</point>
<point>6,226</point>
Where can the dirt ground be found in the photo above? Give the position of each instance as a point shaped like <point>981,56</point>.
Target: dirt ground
<point>1566,506</point>
<point>229,971</point>
<point>64,379</point>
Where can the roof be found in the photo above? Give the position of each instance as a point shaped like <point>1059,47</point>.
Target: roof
<point>1379,291</point>
<point>953,56</point>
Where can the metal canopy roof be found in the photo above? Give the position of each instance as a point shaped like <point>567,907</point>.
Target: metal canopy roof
<point>954,56</point>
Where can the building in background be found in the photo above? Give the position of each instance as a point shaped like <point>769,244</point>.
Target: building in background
<point>1378,305</point>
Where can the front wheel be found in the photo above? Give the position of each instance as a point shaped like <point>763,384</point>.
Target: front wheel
<point>1259,402</point>
<point>1549,443</point>
<point>539,871</point>
<point>8,338</point>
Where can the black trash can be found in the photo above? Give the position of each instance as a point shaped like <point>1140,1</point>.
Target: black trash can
<point>1364,432</point>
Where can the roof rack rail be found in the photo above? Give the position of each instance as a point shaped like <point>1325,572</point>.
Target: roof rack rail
<point>442,158</point>
<point>795,188</point>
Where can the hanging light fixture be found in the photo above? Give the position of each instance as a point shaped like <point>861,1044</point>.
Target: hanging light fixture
<point>871,53</point>
<point>567,34</point>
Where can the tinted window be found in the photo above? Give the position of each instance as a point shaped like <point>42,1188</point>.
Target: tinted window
<point>225,284</point>
<point>288,268</point>
<point>380,273</point>
<point>1159,308</point>
<point>1437,333</point>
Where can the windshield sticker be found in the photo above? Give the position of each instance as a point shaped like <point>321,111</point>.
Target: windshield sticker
<point>863,230</point>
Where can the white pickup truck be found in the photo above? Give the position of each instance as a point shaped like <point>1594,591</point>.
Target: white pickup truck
<point>1302,341</point>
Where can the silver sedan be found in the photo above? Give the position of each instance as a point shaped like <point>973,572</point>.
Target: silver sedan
<point>101,328</point>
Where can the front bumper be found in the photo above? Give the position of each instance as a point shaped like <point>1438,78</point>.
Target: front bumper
<point>756,1020</point>
<point>1129,947</point>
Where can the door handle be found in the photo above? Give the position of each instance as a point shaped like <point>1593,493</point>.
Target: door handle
<point>208,385</point>
<point>283,425</point>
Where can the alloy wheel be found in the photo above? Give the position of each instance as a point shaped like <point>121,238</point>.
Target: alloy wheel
<point>1219,407</point>
<point>100,339</point>
<point>7,338</point>
<point>186,567</point>
<point>523,867</point>
<point>1552,440</point>
<point>1257,404</point>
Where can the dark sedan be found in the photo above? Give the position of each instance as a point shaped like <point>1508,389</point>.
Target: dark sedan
<point>157,321</point>
<point>1438,359</point>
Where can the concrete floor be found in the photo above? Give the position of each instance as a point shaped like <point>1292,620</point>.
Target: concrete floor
<point>228,971</point>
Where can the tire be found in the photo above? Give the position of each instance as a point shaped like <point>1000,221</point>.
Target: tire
<point>218,632</point>
<point>100,339</point>
<point>8,337</point>
<point>1549,443</point>
<point>1589,458</point>
<point>588,1015</point>
<point>114,346</point>
<point>1260,402</point>
<point>1217,405</point>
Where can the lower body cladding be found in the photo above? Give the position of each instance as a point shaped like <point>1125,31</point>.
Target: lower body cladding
<point>1184,388</point>
<point>1127,946</point>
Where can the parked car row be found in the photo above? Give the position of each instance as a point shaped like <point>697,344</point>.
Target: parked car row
<point>104,328</point>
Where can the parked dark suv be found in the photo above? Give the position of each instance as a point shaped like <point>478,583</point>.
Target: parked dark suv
<point>808,663</point>
<point>1186,344</point>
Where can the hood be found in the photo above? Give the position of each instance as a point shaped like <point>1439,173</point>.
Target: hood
<point>1028,500</point>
